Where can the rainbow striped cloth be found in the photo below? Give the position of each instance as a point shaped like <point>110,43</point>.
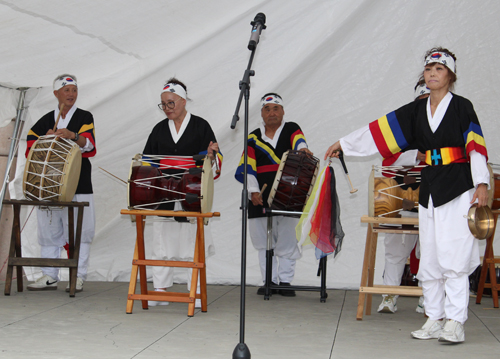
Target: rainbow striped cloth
<point>445,156</point>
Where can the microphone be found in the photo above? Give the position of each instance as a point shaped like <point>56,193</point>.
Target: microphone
<point>258,25</point>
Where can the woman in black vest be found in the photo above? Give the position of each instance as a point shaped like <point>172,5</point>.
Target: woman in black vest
<point>445,128</point>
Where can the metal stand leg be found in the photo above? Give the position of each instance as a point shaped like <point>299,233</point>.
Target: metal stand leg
<point>322,273</point>
<point>269,258</point>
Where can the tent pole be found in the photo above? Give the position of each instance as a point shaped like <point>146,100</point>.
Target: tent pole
<point>14,143</point>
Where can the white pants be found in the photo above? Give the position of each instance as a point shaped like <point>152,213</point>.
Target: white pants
<point>53,234</point>
<point>175,241</point>
<point>398,248</point>
<point>449,253</point>
<point>284,243</point>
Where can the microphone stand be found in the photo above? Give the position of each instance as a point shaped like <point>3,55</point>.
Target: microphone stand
<point>241,350</point>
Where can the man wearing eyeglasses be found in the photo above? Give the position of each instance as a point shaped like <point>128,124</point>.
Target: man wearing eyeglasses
<point>180,134</point>
<point>266,146</point>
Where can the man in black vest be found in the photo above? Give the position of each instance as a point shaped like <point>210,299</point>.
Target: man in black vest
<point>77,125</point>
<point>266,146</point>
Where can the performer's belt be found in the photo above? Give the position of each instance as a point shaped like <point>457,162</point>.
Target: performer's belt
<point>445,156</point>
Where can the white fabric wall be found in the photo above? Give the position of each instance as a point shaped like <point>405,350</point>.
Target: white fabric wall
<point>337,64</point>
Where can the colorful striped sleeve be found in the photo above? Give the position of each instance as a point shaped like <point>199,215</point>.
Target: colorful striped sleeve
<point>87,130</point>
<point>297,138</point>
<point>474,140</point>
<point>31,139</point>
<point>388,135</point>
<point>219,157</point>
<point>251,165</point>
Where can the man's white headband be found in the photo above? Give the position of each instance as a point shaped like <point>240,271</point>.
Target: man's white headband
<point>175,88</point>
<point>442,58</point>
<point>272,99</point>
<point>421,89</point>
<point>63,81</point>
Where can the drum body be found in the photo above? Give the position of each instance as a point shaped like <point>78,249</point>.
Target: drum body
<point>52,170</point>
<point>386,197</point>
<point>148,187</point>
<point>294,181</point>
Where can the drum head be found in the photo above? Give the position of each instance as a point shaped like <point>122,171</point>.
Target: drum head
<point>207,186</point>
<point>71,174</point>
<point>136,161</point>
<point>52,169</point>
<point>28,167</point>
<point>277,179</point>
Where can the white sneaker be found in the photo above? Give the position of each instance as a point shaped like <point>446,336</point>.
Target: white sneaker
<point>453,332</point>
<point>79,285</point>
<point>431,330</point>
<point>420,307</point>
<point>45,282</point>
<point>388,304</point>
<point>154,303</point>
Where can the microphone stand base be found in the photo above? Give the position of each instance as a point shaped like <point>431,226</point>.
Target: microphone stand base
<point>241,351</point>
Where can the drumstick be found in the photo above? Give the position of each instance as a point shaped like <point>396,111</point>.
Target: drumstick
<point>341,158</point>
<point>263,189</point>
<point>113,175</point>
<point>217,169</point>
<point>58,117</point>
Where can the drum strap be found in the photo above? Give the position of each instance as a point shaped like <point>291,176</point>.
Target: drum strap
<point>445,156</point>
<point>177,162</point>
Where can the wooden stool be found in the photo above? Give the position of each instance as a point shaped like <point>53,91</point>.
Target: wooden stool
<point>489,261</point>
<point>367,288</point>
<point>15,256</point>
<point>140,262</point>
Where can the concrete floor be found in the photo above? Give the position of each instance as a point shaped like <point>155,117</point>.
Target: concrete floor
<point>94,325</point>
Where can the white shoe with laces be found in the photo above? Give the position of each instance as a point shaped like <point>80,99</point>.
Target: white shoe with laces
<point>45,282</point>
<point>154,303</point>
<point>388,304</point>
<point>431,330</point>
<point>420,307</point>
<point>453,332</point>
<point>79,285</point>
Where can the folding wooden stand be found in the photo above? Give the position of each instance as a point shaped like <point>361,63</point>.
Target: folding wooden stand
<point>139,264</point>
<point>367,288</point>
<point>15,256</point>
<point>489,262</point>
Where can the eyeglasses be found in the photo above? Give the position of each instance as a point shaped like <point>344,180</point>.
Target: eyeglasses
<point>170,105</point>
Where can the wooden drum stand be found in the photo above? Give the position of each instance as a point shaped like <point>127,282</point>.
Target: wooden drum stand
<point>367,288</point>
<point>17,260</point>
<point>139,263</point>
<point>489,262</point>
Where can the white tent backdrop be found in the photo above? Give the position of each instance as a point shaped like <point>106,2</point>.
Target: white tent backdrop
<point>337,64</point>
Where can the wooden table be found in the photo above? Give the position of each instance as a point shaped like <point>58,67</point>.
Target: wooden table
<point>16,259</point>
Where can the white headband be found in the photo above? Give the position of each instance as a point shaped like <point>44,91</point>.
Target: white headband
<point>175,88</point>
<point>272,99</point>
<point>442,58</point>
<point>421,89</point>
<point>63,81</point>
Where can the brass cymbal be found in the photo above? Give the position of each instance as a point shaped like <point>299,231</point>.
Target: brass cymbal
<point>481,222</point>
